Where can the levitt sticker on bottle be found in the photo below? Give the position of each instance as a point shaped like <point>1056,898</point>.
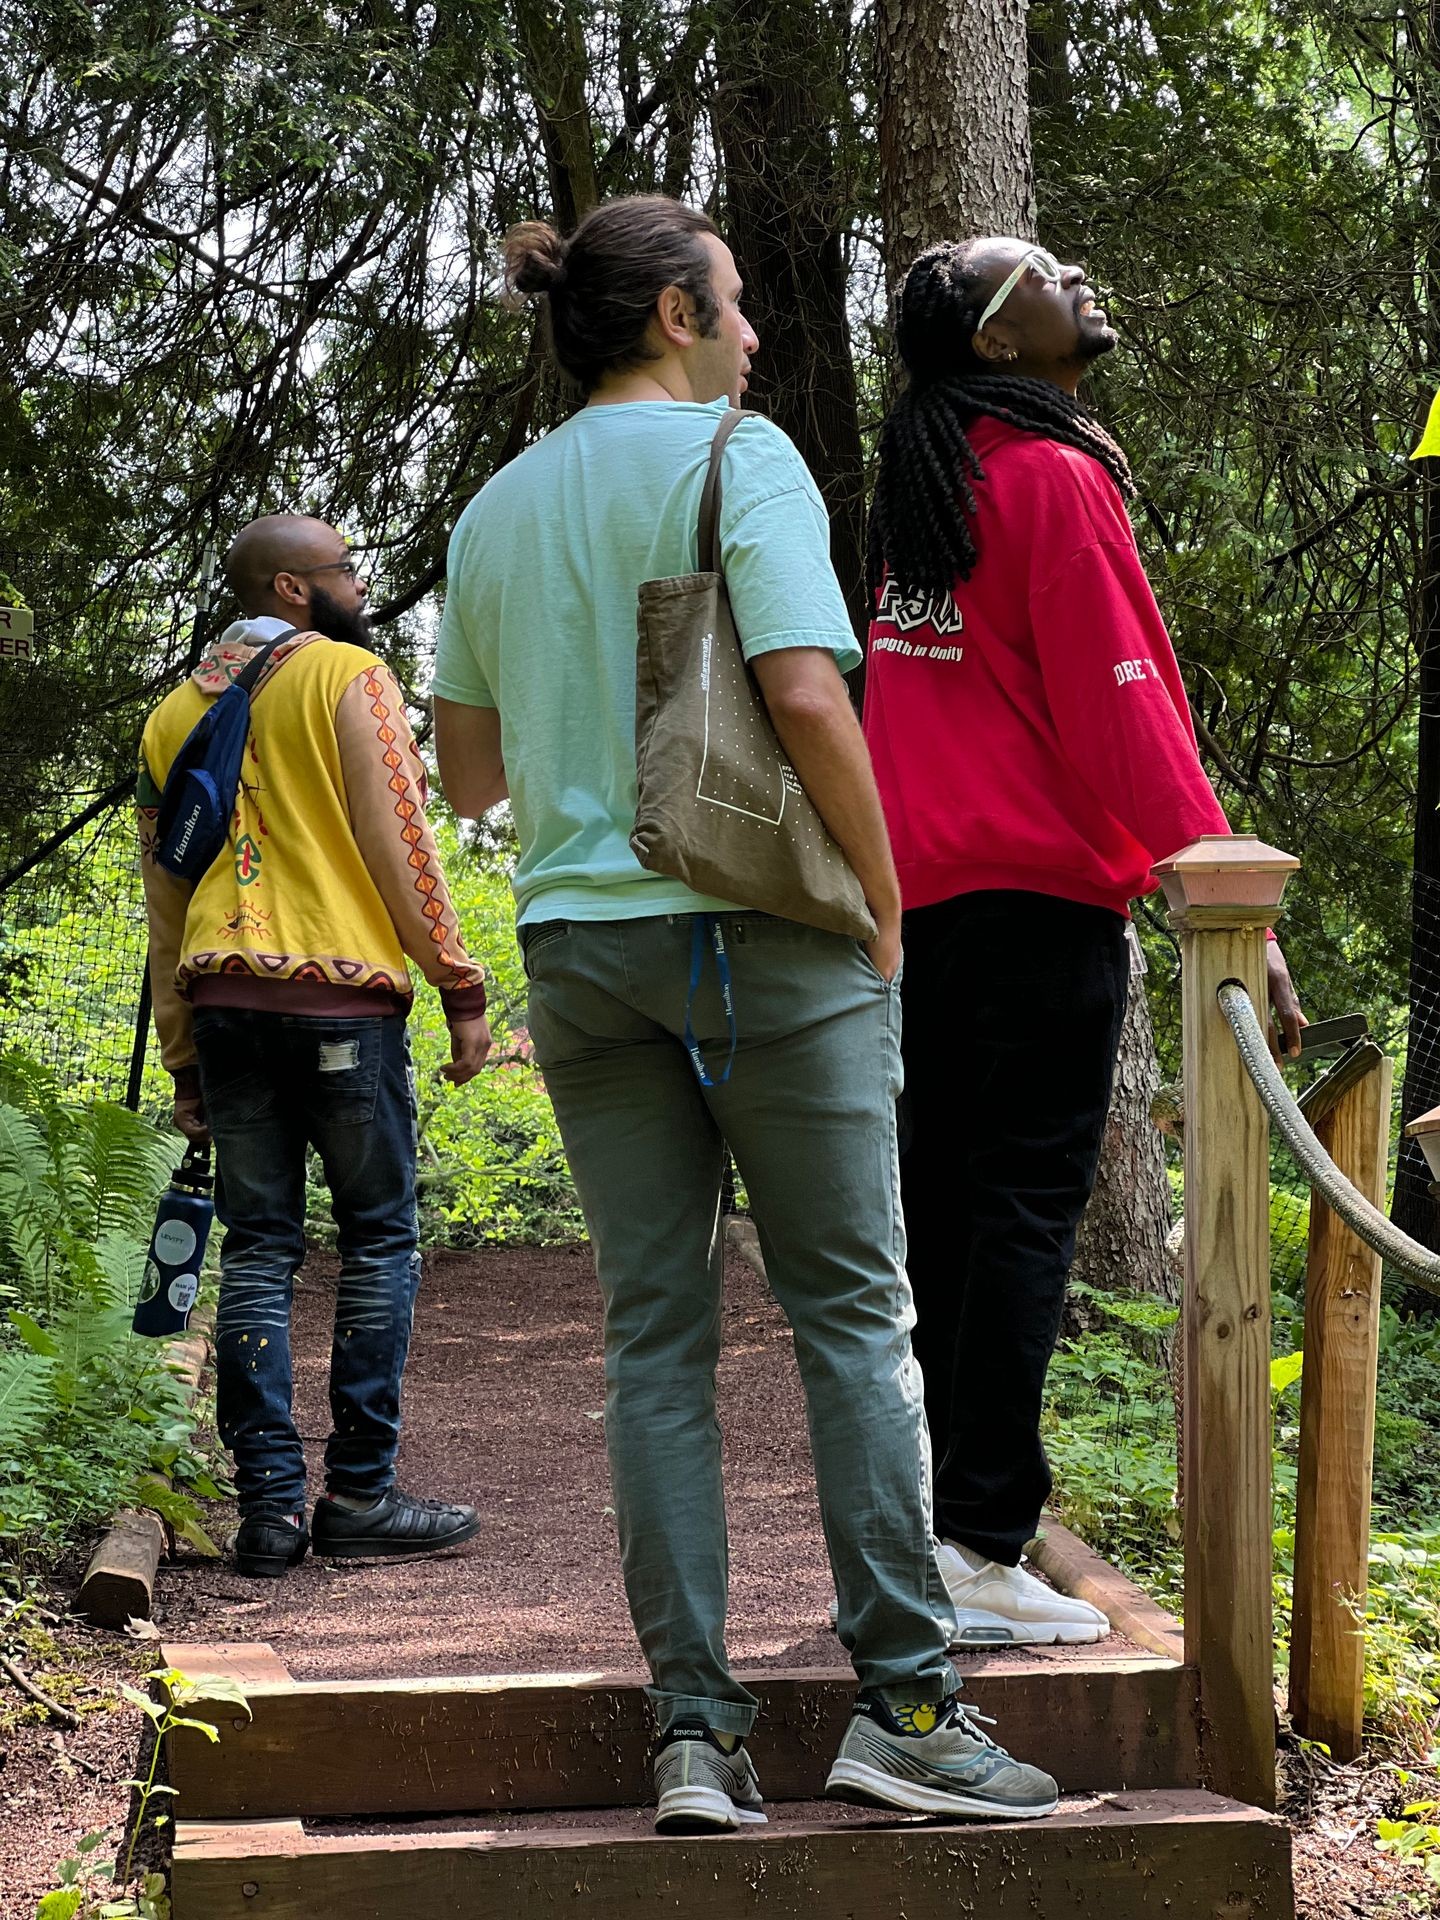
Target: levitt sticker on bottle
<point>183,1289</point>
<point>174,1242</point>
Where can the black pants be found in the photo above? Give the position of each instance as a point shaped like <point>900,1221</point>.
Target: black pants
<point>1013,1004</point>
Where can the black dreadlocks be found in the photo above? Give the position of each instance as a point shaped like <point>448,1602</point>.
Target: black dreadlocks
<point>920,523</point>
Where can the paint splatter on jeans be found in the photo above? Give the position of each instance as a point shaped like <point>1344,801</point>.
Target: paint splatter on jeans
<point>275,1085</point>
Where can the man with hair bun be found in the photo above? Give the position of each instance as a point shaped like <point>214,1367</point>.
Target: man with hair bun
<point>535,697</point>
<point>1035,753</point>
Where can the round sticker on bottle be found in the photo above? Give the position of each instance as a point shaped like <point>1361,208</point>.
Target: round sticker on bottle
<point>152,1281</point>
<point>174,1242</point>
<point>183,1289</point>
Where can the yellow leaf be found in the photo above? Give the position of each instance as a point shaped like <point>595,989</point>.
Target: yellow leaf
<point>1429,447</point>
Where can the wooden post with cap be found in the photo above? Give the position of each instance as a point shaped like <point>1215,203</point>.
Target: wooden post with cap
<point>1223,893</point>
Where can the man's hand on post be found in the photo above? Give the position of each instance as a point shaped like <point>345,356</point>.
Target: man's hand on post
<point>1286,1004</point>
<point>469,1046</point>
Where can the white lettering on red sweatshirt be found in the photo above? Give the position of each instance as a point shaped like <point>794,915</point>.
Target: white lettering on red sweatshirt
<point>1031,729</point>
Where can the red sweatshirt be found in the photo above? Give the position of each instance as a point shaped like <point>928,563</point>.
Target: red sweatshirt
<point>1031,730</point>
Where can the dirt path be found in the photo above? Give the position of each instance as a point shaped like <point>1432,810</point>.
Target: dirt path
<point>503,1405</point>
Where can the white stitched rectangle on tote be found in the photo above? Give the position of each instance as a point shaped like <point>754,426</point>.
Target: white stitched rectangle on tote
<point>339,1056</point>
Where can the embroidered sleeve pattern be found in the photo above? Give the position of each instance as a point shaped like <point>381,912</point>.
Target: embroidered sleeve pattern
<point>386,788</point>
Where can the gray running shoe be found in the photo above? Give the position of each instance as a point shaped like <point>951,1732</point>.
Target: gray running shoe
<point>935,1759</point>
<point>700,1787</point>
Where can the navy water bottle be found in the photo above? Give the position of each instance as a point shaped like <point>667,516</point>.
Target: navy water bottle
<point>177,1247</point>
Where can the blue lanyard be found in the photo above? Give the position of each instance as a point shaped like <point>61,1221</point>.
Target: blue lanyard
<point>703,923</point>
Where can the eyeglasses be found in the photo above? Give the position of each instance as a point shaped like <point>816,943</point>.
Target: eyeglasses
<point>347,567</point>
<point>1044,263</point>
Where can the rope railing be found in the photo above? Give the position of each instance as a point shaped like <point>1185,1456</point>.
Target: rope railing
<point>1417,1263</point>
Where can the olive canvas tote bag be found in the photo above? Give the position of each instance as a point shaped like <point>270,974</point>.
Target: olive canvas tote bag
<point>719,806</point>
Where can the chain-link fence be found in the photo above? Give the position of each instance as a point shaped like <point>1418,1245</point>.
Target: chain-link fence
<point>72,918</point>
<point>72,939</point>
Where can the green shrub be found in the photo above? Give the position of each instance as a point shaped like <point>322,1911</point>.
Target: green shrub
<point>90,1414</point>
<point>492,1166</point>
<point>1110,1434</point>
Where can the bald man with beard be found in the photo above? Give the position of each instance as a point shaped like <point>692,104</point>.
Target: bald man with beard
<point>282,980</point>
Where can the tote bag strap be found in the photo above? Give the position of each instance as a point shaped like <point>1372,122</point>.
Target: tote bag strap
<point>707,549</point>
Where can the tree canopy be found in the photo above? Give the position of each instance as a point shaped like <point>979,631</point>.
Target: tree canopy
<point>249,261</point>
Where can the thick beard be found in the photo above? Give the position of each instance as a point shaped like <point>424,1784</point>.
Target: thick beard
<point>1094,346</point>
<point>346,624</point>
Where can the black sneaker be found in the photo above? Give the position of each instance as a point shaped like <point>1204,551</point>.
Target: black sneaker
<point>269,1543</point>
<point>397,1525</point>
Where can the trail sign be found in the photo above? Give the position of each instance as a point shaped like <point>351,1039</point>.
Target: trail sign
<point>17,633</point>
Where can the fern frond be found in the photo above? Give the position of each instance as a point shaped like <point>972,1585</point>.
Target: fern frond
<point>24,1162</point>
<point>24,1398</point>
<point>30,1212</point>
<point>114,1165</point>
<point>25,1084</point>
<point>120,1264</point>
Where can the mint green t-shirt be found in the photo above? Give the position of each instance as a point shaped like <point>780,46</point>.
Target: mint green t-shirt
<point>539,622</point>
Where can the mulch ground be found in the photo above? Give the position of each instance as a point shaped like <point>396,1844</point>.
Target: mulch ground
<point>504,1408</point>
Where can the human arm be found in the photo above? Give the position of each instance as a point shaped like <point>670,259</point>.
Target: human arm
<point>1113,687</point>
<point>386,790</point>
<point>795,632</point>
<point>469,757</point>
<point>810,710</point>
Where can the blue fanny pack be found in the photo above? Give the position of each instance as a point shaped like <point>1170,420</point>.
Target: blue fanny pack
<point>200,788</point>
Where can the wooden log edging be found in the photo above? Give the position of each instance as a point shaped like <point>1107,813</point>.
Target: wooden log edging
<point>119,1583</point>
<point>1068,1564</point>
<point>498,1743</point>
<point>1140,1857</point>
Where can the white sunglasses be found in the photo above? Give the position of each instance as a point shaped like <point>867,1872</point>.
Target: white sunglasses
<point>1044,263</point>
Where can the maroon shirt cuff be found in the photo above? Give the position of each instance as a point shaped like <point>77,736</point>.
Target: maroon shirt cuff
<point>463,1003</point>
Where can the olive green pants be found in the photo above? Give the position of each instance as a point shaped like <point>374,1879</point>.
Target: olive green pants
<point>808,1110</point>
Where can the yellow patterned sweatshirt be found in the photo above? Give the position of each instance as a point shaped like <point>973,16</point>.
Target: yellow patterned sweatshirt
<point>330,877</point>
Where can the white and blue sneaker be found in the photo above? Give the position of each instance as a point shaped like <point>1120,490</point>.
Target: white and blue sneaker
<point>935,1758</point>
<point>700,1787</point>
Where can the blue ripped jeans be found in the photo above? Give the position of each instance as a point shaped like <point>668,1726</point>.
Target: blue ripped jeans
<point>274,1085</point>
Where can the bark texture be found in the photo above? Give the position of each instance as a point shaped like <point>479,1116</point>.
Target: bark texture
<point>780,66</point>
<point>954,123</point>
<point>1122,1237</point>
<point>553,43</point>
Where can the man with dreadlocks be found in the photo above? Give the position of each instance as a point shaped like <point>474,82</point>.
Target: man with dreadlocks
<point>1035,756</point>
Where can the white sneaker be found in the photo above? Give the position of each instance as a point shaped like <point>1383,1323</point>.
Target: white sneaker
<point>998,1606</point>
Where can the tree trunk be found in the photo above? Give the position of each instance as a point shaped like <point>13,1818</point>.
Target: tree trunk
<point>1413,1208</point>
<point>955,160</point>
<point>954,123</point>
<point>1122,1237</point>
<point>779,101</point>
<point>553,42</point>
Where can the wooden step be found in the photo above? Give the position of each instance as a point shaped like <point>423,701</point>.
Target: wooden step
<point>1138,1856</point>
<point>535,1741</point>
